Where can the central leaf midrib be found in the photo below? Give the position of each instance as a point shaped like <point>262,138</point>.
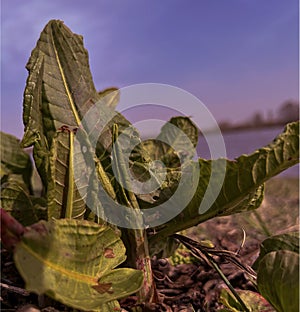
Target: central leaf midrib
<point>70,179</point>
<point>74,275</point>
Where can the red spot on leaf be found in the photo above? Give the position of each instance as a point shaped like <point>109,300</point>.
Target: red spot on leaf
<point>64,128</point>
<point>109,253</point>
<point>39,228</point>
<point>103,288</point>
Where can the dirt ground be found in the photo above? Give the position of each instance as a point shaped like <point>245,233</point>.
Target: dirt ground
<point>194,286</point>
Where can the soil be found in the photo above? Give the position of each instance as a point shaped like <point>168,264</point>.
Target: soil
<point>188,286</point>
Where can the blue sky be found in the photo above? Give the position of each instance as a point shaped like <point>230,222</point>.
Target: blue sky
<point>236,56</point>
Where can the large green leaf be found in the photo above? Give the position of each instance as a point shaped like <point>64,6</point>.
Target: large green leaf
<point>14,160</point>
<point>59,89</point>
<point>74,261</point>
<point>278,279</point>
<point>241,189</point>
<point>67,87</point>
<point>286,241</point>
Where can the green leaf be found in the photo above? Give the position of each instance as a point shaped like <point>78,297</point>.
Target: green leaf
<point>178,139</point>
<point>16,200</point>
<point>174,147</point>
<point>59,89</point>
<point>33,119</point>
<point>13,159</point>
<point>64,199</point>
<point>73,261</point>
<point>253,301</point>
<point>68,89</point>
<point>110,306</point>
<point>175,144</point>
<point>287,241</point>
<point>106,119</point>
<point>242,186</point>
<point>278,279</point>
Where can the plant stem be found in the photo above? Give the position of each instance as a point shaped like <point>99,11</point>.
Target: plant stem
<point>135,238</point>
<point>136,244</point>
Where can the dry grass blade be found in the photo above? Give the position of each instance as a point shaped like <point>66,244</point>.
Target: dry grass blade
<point>202,252</point>
<point>15,289</point>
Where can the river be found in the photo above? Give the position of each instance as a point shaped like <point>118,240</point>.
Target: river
<point>246,142</point>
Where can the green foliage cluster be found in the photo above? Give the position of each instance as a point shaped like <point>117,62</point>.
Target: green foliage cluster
<point>73,255</point>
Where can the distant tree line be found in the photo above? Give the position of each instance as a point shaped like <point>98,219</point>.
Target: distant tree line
<point>287,112</point>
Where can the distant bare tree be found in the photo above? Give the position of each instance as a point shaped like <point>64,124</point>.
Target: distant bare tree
<point>288,111</point>
<point>257,119</point>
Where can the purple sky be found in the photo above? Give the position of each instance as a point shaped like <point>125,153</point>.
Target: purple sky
<point>236,56</point>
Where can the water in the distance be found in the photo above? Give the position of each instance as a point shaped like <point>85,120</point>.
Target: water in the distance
<point>245,142</point>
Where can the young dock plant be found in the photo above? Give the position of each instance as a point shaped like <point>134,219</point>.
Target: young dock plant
<point>74,254</point>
